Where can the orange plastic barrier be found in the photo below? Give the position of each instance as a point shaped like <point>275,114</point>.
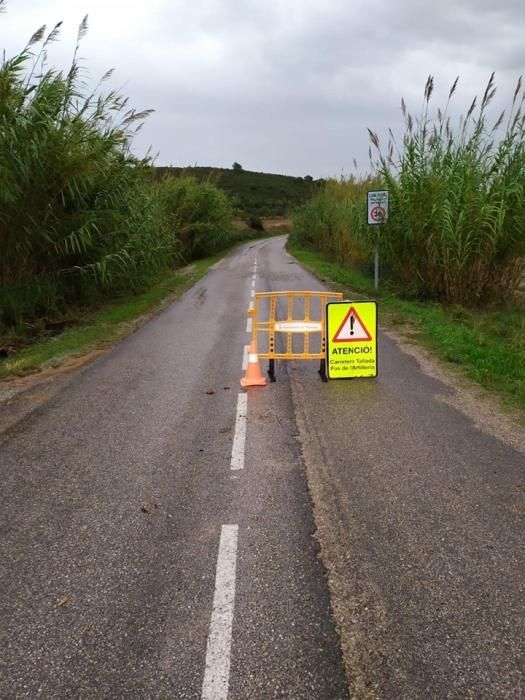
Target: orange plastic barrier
<point>287,315</point>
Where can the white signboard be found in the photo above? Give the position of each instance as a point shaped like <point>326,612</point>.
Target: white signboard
<point>298,326</point>
<point>377,207</point>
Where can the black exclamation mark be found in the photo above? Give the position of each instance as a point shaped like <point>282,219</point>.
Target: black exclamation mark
<point>352,320</point>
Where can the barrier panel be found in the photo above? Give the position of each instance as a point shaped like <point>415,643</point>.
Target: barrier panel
<point>291,326</point>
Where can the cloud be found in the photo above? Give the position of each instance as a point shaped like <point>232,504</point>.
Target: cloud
<point>287,86</point>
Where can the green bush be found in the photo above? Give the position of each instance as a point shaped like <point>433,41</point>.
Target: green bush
<point>199,213</point>
<point>255,223</point>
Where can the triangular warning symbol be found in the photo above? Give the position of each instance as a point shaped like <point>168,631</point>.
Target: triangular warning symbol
<point>352,329</point>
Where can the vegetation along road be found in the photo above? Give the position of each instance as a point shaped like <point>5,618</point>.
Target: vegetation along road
<point>166,534</point>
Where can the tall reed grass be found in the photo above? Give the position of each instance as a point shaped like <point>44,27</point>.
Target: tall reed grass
<point>457,226</point>
<point>80,217</point>
<point>456,230</point>
<point>332,221</point>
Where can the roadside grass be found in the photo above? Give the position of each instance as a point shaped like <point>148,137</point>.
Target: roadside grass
<point>487,345</point>
<point>105,326</point>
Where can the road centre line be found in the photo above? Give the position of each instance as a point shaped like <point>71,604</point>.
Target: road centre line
<point>239,436</point>
<point>253,283</point>
<point>218,650</point>
<point>249,325</point>
<point>252,293</point>
<point>245,354</point>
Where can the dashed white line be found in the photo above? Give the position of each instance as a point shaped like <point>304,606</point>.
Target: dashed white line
<point>245,356</point>
<point>218,650</point>
<point>239,437</point>
<point>217,671</point>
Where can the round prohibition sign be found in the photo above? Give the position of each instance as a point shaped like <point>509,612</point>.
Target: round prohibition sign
<point>377,213</point>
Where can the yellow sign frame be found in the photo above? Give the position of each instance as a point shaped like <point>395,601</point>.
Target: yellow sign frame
<point>348,357</point>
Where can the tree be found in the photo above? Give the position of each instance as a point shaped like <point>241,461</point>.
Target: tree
<point>237,167</point>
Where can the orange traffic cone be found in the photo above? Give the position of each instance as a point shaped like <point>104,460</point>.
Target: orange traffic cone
<point>253,376</point>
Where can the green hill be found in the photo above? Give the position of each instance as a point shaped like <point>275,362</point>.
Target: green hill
<point>254,194</point>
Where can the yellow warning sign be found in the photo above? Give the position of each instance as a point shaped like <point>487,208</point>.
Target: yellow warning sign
<point>351,339</point>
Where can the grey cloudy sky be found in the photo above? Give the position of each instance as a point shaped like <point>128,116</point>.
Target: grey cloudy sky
<point>285,86</point>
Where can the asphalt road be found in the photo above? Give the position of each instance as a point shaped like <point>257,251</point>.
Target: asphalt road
<point>115,493</point>
<point>137,563</point>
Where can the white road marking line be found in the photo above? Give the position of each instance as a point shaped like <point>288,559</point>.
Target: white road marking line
<point>245,356</point>
<point>249,325</point>
<point>251,305</point>
<point>217,671</point>
<point>253,284</point>
<point>239,437</point>
<point>252,293</point>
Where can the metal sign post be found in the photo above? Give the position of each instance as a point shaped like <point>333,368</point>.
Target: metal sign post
<point>377,214</point>
<point>376,265</point>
